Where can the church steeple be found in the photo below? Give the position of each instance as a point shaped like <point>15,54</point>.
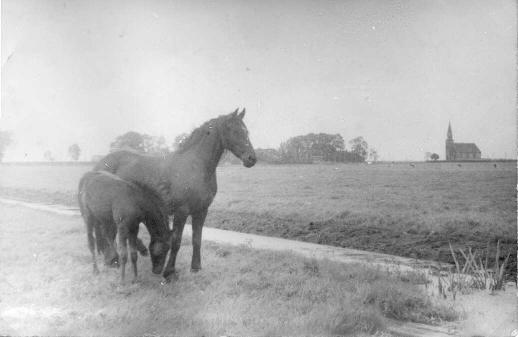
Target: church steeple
<point>449,135</point>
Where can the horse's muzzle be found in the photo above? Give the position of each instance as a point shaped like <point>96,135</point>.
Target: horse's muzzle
<point>249,160</point>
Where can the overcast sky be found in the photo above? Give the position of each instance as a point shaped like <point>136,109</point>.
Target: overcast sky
<point>394,72</point>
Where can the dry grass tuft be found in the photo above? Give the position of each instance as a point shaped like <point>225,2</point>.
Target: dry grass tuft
<point>473,273</point>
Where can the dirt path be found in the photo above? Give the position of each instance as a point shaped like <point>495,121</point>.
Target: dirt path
<point>486,315</point>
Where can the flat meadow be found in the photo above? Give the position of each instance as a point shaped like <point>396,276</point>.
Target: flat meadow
<point>47,286</point>
<point>393,208</point>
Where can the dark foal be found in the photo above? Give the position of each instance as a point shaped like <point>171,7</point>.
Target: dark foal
<point>113,206</point>
<point>186,179</point>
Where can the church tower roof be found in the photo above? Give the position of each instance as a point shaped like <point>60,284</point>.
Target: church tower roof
<point>449,135</point>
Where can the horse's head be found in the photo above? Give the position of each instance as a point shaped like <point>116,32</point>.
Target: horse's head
<point>158,251</point>
<point>234,136</point>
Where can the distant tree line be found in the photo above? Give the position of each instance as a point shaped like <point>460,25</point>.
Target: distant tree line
<point>313,147</point>
<point>141,143</point>
<point>318,147</point>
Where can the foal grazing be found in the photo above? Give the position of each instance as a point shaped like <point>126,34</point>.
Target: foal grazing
<point>110,204</point>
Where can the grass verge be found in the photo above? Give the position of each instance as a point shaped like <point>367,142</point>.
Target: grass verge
<point>47,288</point>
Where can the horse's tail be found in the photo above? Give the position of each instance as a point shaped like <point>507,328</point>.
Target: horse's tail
<point>91,225</point>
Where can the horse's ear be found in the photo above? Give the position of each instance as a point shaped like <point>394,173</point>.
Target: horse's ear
<point>242,113</point>
<point>235,112</point>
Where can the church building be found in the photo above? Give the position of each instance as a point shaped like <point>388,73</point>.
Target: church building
<point>460,151</point>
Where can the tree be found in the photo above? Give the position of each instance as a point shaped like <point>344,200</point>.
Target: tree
<point>270,156</point>
<point>48,155</point>
<point>373,155</point>
<point>155,145</point>
<point>324,144</point>
<point>359,147</point>
<point>434,156</point>
<point>74,152</point>
<point>301,149</point>
<point>5,141</point>
<point>140,142</point>
<point>132,140</point>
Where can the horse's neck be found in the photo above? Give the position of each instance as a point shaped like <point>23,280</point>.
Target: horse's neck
<point>209,150</point>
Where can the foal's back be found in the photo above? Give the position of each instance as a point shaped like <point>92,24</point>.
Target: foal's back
<point>109,197</point>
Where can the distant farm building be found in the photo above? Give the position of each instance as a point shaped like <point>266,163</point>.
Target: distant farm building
<point>460,151</point>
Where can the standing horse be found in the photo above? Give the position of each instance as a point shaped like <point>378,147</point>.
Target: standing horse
<point>109,204</point>
<point>186,179</point>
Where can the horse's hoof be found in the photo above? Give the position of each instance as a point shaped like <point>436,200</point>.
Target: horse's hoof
<point>165,282</point>
<point>168,277</point>
<point>195,270</point>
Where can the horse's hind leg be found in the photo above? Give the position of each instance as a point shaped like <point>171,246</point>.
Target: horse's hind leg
<point>99,239</point>
<point>91,241</point>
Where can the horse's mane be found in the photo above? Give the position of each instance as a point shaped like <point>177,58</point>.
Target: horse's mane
<point>198,133</point>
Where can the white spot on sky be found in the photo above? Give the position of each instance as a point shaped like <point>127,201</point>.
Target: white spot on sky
<point>373,27</point>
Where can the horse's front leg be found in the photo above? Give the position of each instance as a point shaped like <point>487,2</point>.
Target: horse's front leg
<point>198,219</point>
<point>176,241</point>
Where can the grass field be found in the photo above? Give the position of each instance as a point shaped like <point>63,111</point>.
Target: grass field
<point>47,288</point>
<point>390,208</point>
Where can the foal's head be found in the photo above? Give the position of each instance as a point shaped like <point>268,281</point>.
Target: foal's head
<point>158,251</point>
<point>234,137</point>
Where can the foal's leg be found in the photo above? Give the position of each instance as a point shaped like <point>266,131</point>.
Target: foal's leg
<point>176,241</point>
<point>133,239</point>
<point>198,220</point>
<point>123,232</point>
